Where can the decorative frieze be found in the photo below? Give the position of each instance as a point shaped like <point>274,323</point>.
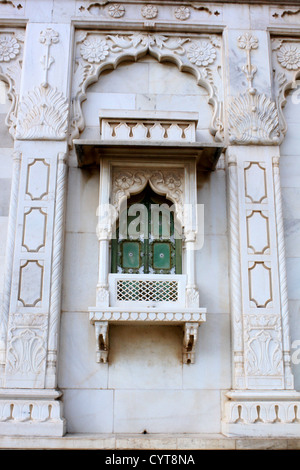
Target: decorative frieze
<point>151,127</point>
<point>31,413</point>
<point>252,414</point>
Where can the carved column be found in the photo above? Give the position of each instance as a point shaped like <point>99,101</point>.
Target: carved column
<point>262,401</point>
<point>104,229</point>
<point>29,400</point>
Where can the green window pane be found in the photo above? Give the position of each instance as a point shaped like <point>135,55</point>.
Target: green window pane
<point>130,255</point>
<point>161,255</point>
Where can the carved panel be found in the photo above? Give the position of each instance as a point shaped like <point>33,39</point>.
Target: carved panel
<point>258,232</point>
<point>31,283</point>
<point>34,234</point>
<point>37,186</point>
<point>263,350</point>
<point>43,114</point>
<point>167,182</point>
<point>26,350</point>
<point>260,284</point>
<point>255,182</point>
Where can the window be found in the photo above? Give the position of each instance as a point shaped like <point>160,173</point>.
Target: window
<point>148,237</point>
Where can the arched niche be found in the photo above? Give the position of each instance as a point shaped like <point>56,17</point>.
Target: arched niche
<point>96,53</point>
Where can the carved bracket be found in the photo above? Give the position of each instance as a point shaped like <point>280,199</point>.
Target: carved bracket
<point>101,332</point>
<point>189,342</point>
<point>190,329</point>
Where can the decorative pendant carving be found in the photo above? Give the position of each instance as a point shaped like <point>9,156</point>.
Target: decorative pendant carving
<point>48,37</point>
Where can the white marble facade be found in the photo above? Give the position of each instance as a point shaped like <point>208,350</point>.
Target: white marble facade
<point>200,101</point>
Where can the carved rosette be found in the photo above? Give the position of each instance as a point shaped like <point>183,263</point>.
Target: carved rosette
<point>96,51</point>
<point>286,68</point>
<point>11,54</point>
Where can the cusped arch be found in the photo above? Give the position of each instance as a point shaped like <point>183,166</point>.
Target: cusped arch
<point>168,183</point>
<point>106,52</point>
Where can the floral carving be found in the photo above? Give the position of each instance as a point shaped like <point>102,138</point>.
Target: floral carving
<point>94,50</point>
<point>124,180</point>
<point>248,42</point>
<point>9,48</point>
<point>201,53</point>
<point>289,57</point>
<point>49,36</point>
<point>116,10</point>
<point>149,11</point>
<point>172,181</point>
<point>182,13</point>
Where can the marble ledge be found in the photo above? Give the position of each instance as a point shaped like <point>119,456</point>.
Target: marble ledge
<point>147,441</point>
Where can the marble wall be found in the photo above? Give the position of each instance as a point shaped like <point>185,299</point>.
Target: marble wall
<point>6,150</point>
<point>144,386</point>
<point>290,182</point>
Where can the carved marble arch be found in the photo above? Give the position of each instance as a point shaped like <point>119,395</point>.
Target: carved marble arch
<point>166,182</point>
<point>96,52</point>
<point>286,73</point>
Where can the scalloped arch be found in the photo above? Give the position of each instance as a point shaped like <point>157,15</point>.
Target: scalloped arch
<point>132,48</point>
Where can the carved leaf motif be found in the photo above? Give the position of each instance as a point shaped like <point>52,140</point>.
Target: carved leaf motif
<point>253,119</point>
<point>43,115</point>
<point>264,355</point>
<point>26,353</point>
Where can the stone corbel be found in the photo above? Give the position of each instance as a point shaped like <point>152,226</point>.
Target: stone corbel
<point>190,336</point>
<point>101,332</point>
